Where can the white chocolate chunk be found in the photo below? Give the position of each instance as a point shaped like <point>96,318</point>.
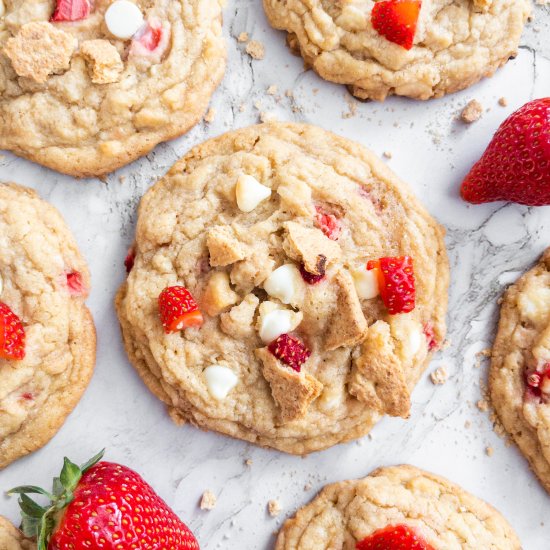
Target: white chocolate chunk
<point>123,19</point>
<point>220,381</point>
<point>277,322</point>
<point>283,283</point>
<point>250,192</point>
<point>366,282</point>
<point>2,8</point>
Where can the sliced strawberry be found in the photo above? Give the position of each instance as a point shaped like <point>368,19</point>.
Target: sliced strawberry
<point>516,164</point>
<point>12,334</point>
<point>178,309</point>
<point>71,10</point>
<point>290,351</point>
<point>394,537</point>
<point>328,223</point>
<point>75,284</point>
<point>396,283</point>
<point>129,260</point>
<point>396,20</point>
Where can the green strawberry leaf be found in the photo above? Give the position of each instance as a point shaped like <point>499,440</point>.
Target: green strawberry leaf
<point>31,489</point>
<point>70,474</point>
<point>31,508</point>
<point>92,462</point>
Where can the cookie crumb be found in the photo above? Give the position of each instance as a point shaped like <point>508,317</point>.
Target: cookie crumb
<point>503,102</point>
<point>472,112</point>
<point>267,116</point>
<point>289,93</point>
<point>388,154</point>
<point>243,37</point>
<point>249,462</point>
<point>242,108</point>
<point>255,49</point>
<point>467,424</point>
<point>482,405</point>
<point>439,376</point>
<point>122,178</point>
<point>210,115</point>
<point>274,508</point>
<point>489,451</point>
<point>272,90</point>
<point>208,500</point>
<point>307,487</point>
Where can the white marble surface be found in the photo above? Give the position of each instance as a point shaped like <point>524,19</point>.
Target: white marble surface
<point>489,246</point>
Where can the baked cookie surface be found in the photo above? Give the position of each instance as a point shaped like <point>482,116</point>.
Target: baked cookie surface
<point>244,221</point>
<point>78,98</point>
<point>520,366</point>
<point>11,538</point>
<point>43,281</point>
<point>440,512</point>
<point>456,43</point>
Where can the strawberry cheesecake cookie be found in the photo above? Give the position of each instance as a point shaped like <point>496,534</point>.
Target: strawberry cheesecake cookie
<point>400,507</point>
<point>87,87</point>
<point>285,288</point>
<point>47,336</point>
<point>520,366</point>
<point>414,48</point>
<point>12,539</point>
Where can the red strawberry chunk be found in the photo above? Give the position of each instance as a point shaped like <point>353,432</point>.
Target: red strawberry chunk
<point>396,282</point>
<point>129,260</point>
<point>71,10</point>
<point>75,284</point>
<point>314,278</point>
<point>516,164</point>
<point>328,223</point>
<point>178,309</point>
<point>151,41</point>
<point>394,537</point>
<point>113,507</point>
<point>396,20</point>
<point>290,351</point>
<point>430,336</point>
<point>535,380</point>
<point>12,334</point>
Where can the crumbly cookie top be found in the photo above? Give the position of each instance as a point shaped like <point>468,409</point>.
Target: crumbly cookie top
<point>42,278</point>
<point>444,514</point>
<point>11,538</point>
<point>244,266</point>
<point>94,97</point>
<point>456,43</point>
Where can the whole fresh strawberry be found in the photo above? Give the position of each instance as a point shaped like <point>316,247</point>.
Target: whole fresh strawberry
<point>516,165</point>
<point>396,20</point>
<point>101,505</point>
<point>394,537</point>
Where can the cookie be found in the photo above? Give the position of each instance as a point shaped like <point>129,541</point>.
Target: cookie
<point>436,511</point>
<point>431,49</point>
<point>47,336</point>
<point>12,539</point>
<point>87,87</point>
<point>259,242</point>
<point>520,366</point>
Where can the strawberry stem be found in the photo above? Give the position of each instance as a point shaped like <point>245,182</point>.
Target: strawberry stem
<point>39,521</point>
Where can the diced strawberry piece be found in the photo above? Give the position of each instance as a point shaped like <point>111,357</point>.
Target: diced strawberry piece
<point>328,223</point>
<point>430,336</point>
<point>535,380</point>
<point>178,309</point>
<point>394,537</point>
<point>71,10</point>
<point>129,260</point>
<point>314,278</point>
<point>396,283</point>
<point>290,351</point>
<point>151,41</point>
<point>27,396</point>
<point>12,334</point>
<point>75,284</point>
<point>396,20</point>
<point>516,164</point>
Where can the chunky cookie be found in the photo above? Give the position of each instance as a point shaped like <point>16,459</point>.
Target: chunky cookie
<point>47,336</point>
<point>12,539</point>
<point>403,47</point>
<point>287,288</point>
<point>397,507</point>
<point>86,87</point>
<point>520,366</point>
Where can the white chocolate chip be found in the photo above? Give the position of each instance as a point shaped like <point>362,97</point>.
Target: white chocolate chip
<point>2,8</point>
<point>415,338</point>
<point>283,283</point>
<point>275,323</point>
<point>366,282</point>
<point>220,381</point>
<point>250,192</point>
<point>123,19</point>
